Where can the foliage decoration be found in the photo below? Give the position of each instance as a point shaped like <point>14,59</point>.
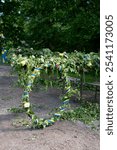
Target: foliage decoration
<point>30,68</point>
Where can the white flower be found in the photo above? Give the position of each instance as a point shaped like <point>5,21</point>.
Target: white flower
<point>13,55</point>
<point>33,56</point>
<point>61,54</point>
<point>23,62</point>
<point>89,64</point>
<point>26,105</point>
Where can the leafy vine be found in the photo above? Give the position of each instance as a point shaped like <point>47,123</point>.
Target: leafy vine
<point>32,67</point>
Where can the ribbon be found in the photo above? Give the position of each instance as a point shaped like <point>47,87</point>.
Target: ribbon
<point>57,115</point>
<point>37,69</point>
<point>60,68</point>
<point>4,56</point>
<point>63,109</point>
<point>66,102</point>
<point>33,75</point>
<point>26,93</point>
<point>50,121</point>
<point>30,84</point>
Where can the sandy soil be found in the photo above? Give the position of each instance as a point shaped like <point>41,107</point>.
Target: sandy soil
<point>63,135</point>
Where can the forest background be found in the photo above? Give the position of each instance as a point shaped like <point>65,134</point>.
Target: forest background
<point>55,24</point>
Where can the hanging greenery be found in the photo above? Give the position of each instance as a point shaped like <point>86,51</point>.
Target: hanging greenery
<point>32,67</point>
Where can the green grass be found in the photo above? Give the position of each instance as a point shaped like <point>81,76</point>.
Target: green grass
<point>16,110</point>
<point>20,122</point>
<point>87,112</point>
<point>88,77</point>
<point>91,77</point>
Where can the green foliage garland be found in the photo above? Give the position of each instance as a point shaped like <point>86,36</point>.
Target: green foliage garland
<point>30,68</point>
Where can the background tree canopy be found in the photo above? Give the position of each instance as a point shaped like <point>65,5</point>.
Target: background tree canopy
<point>56,24</point>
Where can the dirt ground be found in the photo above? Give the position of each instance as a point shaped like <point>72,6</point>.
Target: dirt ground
<point>63,135</point>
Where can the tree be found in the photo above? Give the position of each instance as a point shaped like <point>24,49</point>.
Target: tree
<point>59,25</point>
<point>11,22</point>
